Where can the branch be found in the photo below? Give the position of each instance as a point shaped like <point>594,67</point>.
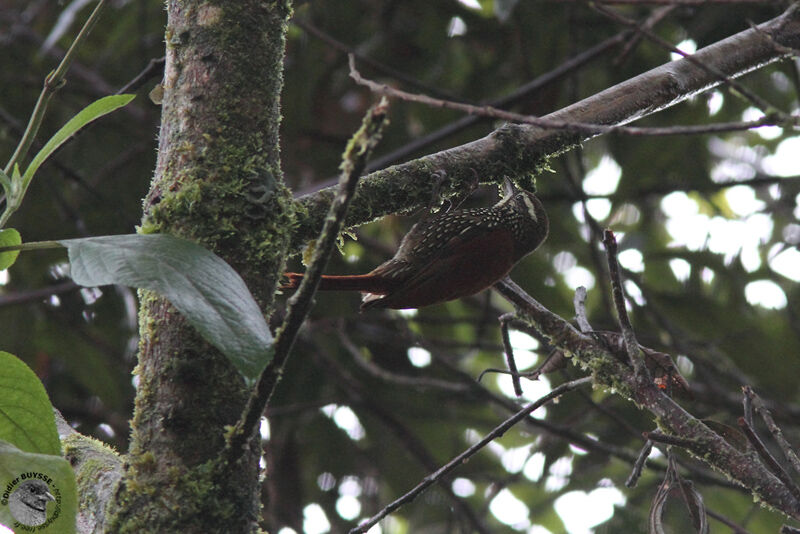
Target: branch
<point>631,345</point>
<point>98,470</point>
<point>353,162</point>
<point>515,150</point>
<point>774,429</point>
<point>609,372</point>
<point>464,456</point>
<point>586,128</point>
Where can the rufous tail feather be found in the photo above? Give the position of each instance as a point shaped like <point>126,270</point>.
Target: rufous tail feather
<point>366,283</point>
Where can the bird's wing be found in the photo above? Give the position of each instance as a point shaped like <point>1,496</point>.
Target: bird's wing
<point>467,264</point>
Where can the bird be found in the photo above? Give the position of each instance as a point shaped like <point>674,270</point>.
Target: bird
<point>451,255</point>
<point>28,503</point>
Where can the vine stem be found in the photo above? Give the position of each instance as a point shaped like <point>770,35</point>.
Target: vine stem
<point>52,83</point>
<point>33,245</point>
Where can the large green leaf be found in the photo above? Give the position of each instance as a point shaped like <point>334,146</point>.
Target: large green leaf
<point>205,289</point>
<point>26,475</point>
<point>8,238</point>
<point>26,415</point>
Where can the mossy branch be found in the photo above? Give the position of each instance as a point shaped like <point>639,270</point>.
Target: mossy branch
<point>515,150</point>
<point>610,372</point>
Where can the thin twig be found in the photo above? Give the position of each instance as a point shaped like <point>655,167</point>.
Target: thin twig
<point>505,319</point>
<point>360,397</point>
<point>471,451</point>
<point>754,99</point>
<point>666,439</point>
<point>652,20</point>
<point>769,460</point>
<point>309,28</point>
<point>153,68</point>
<point>636,473</point>
<point>353,163</point>
<point>417,382</point>
<point>574,127</point>
<point>735,527</point>
<point>23,297</point>
<point>747,405</point>
<point>579,302</point>
<point>777,434</point>
<point>631,345</point>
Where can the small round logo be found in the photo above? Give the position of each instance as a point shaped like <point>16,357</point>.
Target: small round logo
<point>28,503</point>
<point>28,496</point>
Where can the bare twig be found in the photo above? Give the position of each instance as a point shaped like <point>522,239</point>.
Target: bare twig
<point>24,297</point>
<point>579,302</point>
<point>631,345</point>
<point>311,29</point>
<point>754,99</point>
<point>461,458</point>
<point>735,527</point>
<point>747,405</point>
<point>360,397</point>
<point>777,434</point>
<point>666,439</point>
<point>636,473</point>
<point>509,351</point>
<point>417,382</point>
<point>768,459</point>
<point>643,95</point>
<point>353,162</point>
<point>154,68</point>
<point>573,127</point>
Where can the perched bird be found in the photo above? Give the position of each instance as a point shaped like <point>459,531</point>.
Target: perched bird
<point>449,256</point>
<point>28,503</point>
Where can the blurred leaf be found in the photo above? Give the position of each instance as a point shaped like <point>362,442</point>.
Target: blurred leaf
<point>26,415</point>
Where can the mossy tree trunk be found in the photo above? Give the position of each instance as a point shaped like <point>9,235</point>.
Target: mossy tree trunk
<point>218,182</point>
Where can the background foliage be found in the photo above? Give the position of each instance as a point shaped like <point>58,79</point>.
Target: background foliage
<point>354,418</point>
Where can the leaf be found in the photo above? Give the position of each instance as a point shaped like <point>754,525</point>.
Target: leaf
<point>205,289</point>
<point>5,182</point>
<point>26,415</point>
<point>93,111</point>
<point>51,474</point>
<point>9,238</point>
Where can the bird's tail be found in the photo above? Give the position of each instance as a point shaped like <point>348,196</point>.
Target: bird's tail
<point>366,283</point>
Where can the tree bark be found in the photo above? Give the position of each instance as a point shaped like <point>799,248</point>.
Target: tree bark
<point>218,182</point>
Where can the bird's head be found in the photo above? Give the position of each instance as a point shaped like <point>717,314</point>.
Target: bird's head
<point>523,201</point>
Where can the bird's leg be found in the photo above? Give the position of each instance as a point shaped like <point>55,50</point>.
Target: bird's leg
<point>471,186</point>
<point>555,359</point>
<point>439,180</point>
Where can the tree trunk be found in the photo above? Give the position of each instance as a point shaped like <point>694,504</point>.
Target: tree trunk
<point>218,182</point>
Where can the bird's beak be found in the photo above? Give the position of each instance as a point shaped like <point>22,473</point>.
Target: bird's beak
<point>508,188</point>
